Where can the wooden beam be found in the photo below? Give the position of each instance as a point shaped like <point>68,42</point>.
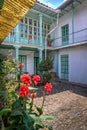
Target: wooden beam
<point>12,11</point>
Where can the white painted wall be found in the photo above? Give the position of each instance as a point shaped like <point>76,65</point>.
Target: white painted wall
<point>30,58</point>
<point>80,22</point>
<point>77,63</point>
<point>30,61</point>
<point>80,19</point>
<point>77,54</point>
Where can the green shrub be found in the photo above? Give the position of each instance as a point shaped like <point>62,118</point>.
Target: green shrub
<point>44,67</point>
<point>7,68</point>
<point>46,77</point>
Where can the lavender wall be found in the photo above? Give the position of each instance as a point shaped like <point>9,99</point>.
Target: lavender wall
<point>80,22</point>
<point>77,63</point>
<point>30,58</point>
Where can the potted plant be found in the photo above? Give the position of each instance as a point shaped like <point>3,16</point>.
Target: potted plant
<point>49,40</point>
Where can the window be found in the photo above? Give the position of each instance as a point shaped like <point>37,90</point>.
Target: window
<point>26,31</point>
<point>35,23</point>
<point>25,20</point>
<point>64,67</point>
<point>21,30</point>
<point>44,26</point>
<point>35,31</point>
<point>48,27</point>
<point>30,30</point>
<point>30,21</point>
<point>65,34</point>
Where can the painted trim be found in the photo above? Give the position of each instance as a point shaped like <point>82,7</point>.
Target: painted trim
<point>40,22</point>
<point>59,67</point>
<point>72,23</point>
<point>40,55</point>
<point>17,36</point>
<point>17,54</point>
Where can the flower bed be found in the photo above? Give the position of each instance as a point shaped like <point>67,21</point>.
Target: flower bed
<point>21,113</point>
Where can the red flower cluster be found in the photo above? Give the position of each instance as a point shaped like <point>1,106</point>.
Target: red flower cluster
<point>48,87</point>
<point>33,95</point>
<point>21,65</point>
<point>36,79</point>
<point>26,79</point>
<point>24,91</point>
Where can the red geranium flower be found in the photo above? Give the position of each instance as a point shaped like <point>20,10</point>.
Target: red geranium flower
<point>33,95</point>
<point>21,65</point>
<point>36,79</point>
<point>24,91</point>
<point>48,87</point>
<point>26,79</point>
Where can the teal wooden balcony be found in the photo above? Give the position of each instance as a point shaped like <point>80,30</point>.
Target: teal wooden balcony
<point>77,37</point>
<point>22,40</point>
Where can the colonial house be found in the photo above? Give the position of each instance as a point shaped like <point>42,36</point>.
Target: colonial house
<point>61,33</point>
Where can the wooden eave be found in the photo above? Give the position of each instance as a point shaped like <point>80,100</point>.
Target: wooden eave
<point>11,12</point>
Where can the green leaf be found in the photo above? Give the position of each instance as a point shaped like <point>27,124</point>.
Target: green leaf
<point>17,104</point>
<point>16,113</point>
<point>2,93</point>
<point>48,118</point>
<point>37,120</point>
<point>49,127</point>
<point>28,121</point>
<point>40,110</point>
<point>5,111</point>
<point>14,94</point>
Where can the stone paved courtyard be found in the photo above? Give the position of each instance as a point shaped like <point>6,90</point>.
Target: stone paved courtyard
<point>68,104</point>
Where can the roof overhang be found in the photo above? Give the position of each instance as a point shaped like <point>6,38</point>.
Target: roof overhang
<point>45,10</point>
<point>11,12</point>
<point>67,6</point>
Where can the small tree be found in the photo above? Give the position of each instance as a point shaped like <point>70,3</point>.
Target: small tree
<point>44,68</point>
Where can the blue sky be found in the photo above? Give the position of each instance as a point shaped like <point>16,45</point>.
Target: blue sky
<point>52,3</point>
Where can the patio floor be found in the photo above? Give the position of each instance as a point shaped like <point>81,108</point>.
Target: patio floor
<point>67,103</point>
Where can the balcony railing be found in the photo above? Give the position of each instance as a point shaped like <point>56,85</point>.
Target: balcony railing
<point>77,37</point>
<point>23,40</point>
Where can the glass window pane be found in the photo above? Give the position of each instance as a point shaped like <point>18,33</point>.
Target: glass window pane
<point>64,67</point>
<point>65,34</point>
<point>35,23</point>
<point>30,21</point>
<point>25,20</point>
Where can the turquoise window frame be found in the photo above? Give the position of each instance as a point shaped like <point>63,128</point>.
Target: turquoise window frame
<point>65,34</point>
<point>65,67</point>
<point>36,62</point>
